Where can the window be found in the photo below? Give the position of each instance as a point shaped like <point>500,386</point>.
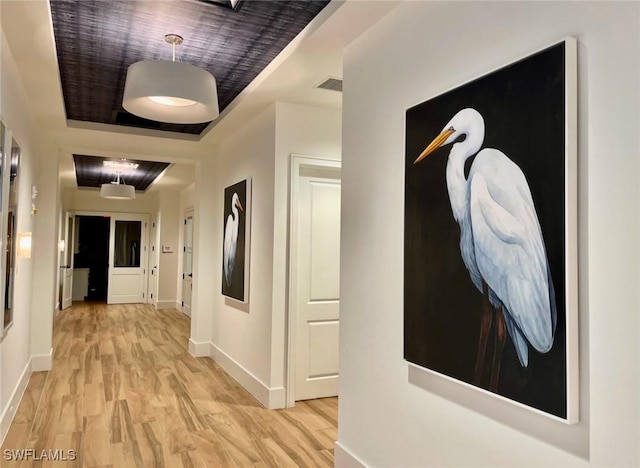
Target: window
<point>128,236</point>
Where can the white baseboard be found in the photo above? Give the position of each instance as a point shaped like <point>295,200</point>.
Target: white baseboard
<point>198,349</point>
<point>166,304</point>
<point>185,310</point>
<point>272,398</point>
<point>277,398</point>
<point>10,410</point>
<point>343,458</point>
<point>42,362</point>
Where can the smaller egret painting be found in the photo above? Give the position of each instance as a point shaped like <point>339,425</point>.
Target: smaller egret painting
<point>490,233</point>
<point>235,242</point>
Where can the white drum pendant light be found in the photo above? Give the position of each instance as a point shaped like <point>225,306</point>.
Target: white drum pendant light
<point>172,92</point>
<point>117,190</point>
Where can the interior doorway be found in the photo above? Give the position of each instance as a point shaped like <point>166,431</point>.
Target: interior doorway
<point>91,260</point>
<point>187,262</point>
<point>104,258</point>
<point>314,279</point>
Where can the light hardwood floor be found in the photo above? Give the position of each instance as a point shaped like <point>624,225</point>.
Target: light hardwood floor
<point>125,392</point>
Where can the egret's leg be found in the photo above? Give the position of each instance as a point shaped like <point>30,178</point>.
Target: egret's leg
<point>485,327</point>
<point>500,337</point>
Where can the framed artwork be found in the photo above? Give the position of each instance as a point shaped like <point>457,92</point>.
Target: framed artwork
<point>10,153</point>
<point>490,252</point>
<point>235,243</point>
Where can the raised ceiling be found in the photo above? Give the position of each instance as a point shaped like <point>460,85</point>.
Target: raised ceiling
<point>97,40</point>
<point>91,172</point>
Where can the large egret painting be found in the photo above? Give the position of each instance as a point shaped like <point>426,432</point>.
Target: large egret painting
<point>235,243</point>
<point>488,195</point>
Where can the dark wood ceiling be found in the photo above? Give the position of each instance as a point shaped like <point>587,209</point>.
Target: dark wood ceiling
<point>97,40</point>
<point>91,172</point>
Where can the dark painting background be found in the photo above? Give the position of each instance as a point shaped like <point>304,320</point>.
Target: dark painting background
<point>236,290</point>
<point>523,110</point>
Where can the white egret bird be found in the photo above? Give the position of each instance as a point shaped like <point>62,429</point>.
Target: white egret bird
<point>501,242</point>
<point>231,238</point>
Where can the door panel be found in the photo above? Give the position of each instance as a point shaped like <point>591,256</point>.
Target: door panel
<point>187,263</point>
<point>317,285</point>
<point>127,257</point>
<point>153,262</point>
<point>67,265</point>
<point>323,340</point>
<point>324,238</point>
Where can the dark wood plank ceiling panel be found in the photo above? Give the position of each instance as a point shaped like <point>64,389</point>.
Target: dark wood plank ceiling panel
<point>97,40</point>
<point>91,172</point>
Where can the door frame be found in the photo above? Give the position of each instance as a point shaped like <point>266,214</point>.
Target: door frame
<point>154,243</point>
<point>69,252</point>
<point>298,162</point>
<point>145,262</point>
<point>188,213</point>
<point>143,218</point>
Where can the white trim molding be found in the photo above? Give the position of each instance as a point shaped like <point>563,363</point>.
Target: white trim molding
<point>343,458</point>
<point>198,349</point>
<point>167,305</point>
<point>271,398</point>
<point>9,411</point>
<point>42,362</point>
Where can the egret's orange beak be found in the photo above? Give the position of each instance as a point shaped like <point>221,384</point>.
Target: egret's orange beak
<point>435,144</point>
<point>239,205</point>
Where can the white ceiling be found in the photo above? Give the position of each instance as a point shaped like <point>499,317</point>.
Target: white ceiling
<point>292,77</point>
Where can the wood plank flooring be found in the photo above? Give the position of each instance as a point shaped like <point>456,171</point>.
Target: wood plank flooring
<point>125,392</point>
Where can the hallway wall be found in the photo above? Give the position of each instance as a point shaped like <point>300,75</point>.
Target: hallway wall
<point>241,332</point>
<point>421,49</point>
<point>90,200</point>
<point>15,348</point>
<point>170,228</point>
<point>249,340</point>
<point>166,202</point>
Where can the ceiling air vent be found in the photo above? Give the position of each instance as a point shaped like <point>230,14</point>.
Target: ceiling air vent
<point>231,4</point>
<point>333,84</point>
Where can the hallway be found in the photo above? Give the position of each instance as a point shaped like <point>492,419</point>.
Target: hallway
<point>124,391</point>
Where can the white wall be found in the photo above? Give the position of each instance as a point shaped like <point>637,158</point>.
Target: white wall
<point>418,51</point>
<point>249,340</point>
<point>170,227</point>
<point>15,351</point>
<point>90,200</point>
<point>243,333</point>
<point>45,260</point>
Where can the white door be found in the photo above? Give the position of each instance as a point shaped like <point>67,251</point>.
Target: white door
<point>153,260</point>
<point>127,259</point>
<point>187,263</point>
<point>317,282</point>
<point>66,264</point>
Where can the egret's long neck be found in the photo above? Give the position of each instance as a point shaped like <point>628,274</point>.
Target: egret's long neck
<point>234,210</point>
<point>456,181</point>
